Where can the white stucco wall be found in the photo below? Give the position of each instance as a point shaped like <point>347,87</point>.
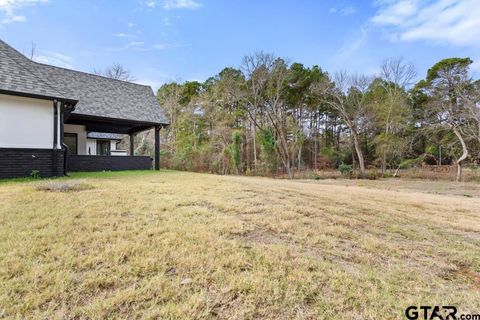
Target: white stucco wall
<point>26,123</point>
<point>81,135</point>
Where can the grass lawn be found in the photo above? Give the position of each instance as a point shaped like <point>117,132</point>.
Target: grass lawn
<point>175,245</point>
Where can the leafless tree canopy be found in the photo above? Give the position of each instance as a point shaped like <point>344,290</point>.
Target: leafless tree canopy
<point>116,71</point>
<point>398,72</point>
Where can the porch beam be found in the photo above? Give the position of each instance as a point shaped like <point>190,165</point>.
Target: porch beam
<point>157,148</point>
<point>139,129</point>
<point>107,129</point>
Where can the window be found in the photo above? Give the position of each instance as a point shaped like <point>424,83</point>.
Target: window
<point>103,147</point>
<point>71,140</point>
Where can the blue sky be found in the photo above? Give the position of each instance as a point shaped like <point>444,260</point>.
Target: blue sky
<point>165,40</point>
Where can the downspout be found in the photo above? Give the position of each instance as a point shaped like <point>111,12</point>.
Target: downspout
<point>55,138</point>
<point>62,144</point>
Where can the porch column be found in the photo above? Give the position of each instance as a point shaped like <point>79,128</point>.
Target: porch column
<point>157,148</point>
<point>132,144</point>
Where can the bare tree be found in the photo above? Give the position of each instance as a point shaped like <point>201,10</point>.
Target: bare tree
<point>265,103</point>
<point>169,96</point>
<point>396,71</point>
<point>471,100</point>
<point>347,95</point>
<point>392,110</point>
<point>115,71</point>
<point>33,50</point>
<point>255,67</point>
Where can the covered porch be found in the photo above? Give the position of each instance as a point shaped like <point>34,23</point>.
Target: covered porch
<point>78,144</point>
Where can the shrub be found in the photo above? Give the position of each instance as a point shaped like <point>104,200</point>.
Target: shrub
<point>334,157</point>
<point>35,174</point>
<point>315,176</point>
<point>345,169</point>
<point>410,163</point>
<point>268,155</point>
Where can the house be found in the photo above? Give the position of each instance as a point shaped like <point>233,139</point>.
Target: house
<point>55,120</point>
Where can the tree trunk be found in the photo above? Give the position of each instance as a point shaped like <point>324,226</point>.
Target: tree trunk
<point>299,157</point>
<point>316,151</point>
<point>316,142</point>
<point>464,153</point>
<point>282,150</point>
<point>254,150</point>
<point>384,162</point>
<point>361,161</point>
<point>289,171</point>
<point>354,164</point>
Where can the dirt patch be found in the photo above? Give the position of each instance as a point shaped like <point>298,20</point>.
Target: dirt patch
<point>471,275</point>
<point>262,237</point>
<point>63,186</point>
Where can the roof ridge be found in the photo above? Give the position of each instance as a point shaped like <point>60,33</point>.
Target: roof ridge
<point>67,69</point>
<point>15,51</point>
<point>91,74</point>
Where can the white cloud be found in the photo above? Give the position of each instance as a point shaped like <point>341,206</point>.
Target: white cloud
<point>124,35</point>
<point>453,22</point>
<point>181,4</point>
<point>135,44</point>
<point>150,3</point>
<point>348,11</point>
<point>351,47</point>
<point>345,11</point>
<point>55,59</point>
<point>172,4</point>
<point>10,19</point>
<point>141,46</point>
<point>9,7</point>
<point>163,46</point>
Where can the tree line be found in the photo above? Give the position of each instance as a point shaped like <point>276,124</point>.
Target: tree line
<point>270,116</point>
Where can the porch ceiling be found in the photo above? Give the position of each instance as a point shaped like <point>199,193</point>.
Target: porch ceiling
<point>108,125</point>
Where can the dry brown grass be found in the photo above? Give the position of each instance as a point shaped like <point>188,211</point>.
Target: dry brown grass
<point>63,186</point>
<point>184,245</point>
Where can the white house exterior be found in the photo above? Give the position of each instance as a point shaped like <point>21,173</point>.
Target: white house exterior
<point>25,122</point>
<point>82,142</point>
<point>54,120</point>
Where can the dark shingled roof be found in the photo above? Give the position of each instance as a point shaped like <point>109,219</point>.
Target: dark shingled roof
<point>16,76</point>
<point>96,95</point>
<point>103,135</point>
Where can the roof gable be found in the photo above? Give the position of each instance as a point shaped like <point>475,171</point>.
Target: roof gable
<point>96,95</point>
<point>16,76</point>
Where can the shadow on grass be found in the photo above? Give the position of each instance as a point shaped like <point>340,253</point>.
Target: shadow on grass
<point>95,175</point>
